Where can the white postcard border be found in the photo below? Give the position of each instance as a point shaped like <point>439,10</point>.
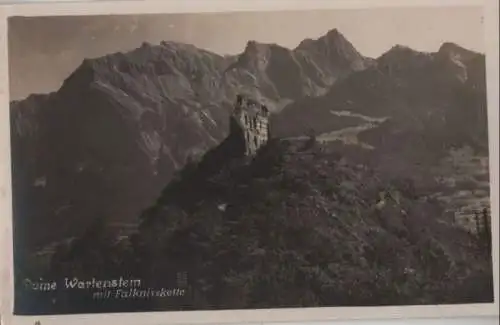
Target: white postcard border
<point>240,316</point>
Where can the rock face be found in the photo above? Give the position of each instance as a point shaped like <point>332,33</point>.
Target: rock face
<point>113,135</point>
<point>423,96</point>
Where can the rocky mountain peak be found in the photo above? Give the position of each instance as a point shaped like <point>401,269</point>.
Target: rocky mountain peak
<point>455,51</point>
<point>331,37</point>
<point>334,46</point>
<point>401,50</point>
<point>402,55</point>
<point>253,47</point>
<point>332,40</point>
<point>334,36</point>
<point>82,76</point>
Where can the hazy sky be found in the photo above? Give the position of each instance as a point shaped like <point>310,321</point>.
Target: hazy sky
<point>43,51</point>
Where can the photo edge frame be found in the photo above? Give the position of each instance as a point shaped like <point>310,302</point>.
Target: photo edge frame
<point>243,316</point>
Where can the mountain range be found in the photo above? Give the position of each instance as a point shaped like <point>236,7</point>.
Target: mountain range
<point>120,127</point>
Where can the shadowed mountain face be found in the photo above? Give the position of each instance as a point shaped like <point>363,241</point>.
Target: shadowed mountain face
<point>106,142</point>
<point>428,100</point>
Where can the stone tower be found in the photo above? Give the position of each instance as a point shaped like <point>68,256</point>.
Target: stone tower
<point>250,122</point>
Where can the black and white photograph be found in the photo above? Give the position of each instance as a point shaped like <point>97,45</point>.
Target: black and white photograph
<point>250,160</point>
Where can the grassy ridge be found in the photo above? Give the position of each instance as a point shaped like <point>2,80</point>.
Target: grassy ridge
<point>295,226</point>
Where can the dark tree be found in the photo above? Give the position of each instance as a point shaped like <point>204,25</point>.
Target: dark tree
<point>486,233</point>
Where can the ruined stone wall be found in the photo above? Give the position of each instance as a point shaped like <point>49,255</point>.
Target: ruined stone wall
<point>253,119</point>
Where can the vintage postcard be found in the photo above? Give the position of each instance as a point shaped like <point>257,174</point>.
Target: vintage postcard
<point>249,162</point>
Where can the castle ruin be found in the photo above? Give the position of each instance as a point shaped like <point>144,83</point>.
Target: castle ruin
<point>250,122</point>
